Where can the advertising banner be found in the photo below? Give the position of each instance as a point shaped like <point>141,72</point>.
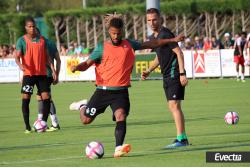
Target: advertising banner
<point>88,75</point>
<point>212,63</point>
<point>9,71</point>
<point>207,64</point>
<point>142,62</point>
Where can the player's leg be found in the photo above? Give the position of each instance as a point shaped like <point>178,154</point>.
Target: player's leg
<point>242,61</point>
<point>84,118</point>
<point>26,90</point>
<point>120,106</point>
<point>120,129</point>
<point>55,123</point>
<point>120,133</point>
<point>40,106</point>
<point>26,111</point>
<point>175,93</point>
<point>43,87</point>
<point>177,114</point>
<point>96,105</point>
<point>78,104</point>
<point>53,116</point>
<point>54,120</point>
<point>237,72</point>
<point>236,60</point>
<point>243,73</point>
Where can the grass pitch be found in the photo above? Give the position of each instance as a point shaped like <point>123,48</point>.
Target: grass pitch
<point>150,126</point>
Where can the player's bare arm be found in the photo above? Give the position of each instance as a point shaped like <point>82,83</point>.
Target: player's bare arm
<point>18,56</point>
<point>51,65</point>
<point>82,66</point>
<point>58,66</point>
<point>180,58</point>
<point>151,68</point>
<point>160,42</point>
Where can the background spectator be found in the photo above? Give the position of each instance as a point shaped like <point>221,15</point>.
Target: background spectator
<point>198,44</point>
<point>77,49</point>
<point>207,44</point>
<point>228,42</point>
<point>188,44</point>
<point>70,51</point>
<point>63,50</point>
<point>216,43</point>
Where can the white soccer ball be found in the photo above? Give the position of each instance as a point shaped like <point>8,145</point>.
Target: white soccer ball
<point>231,118</point>
<point>94,150</point>
<point>247,62</point>
<point>40,125</point>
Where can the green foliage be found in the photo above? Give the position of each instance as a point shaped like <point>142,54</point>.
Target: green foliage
<point>101,7</point>
<point>4,6</point>
<point>168,7</point>
<point>13,24</point>
<point>176,7</point>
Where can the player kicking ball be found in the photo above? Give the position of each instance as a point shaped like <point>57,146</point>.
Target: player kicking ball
<point>114,60</point>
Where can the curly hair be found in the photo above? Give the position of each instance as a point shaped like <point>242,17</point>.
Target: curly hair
<point>114,20</point>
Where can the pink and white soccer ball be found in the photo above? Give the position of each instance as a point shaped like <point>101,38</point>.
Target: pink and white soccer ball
<point>40,125</point>
<point>231,118</point>
<point>247,62</point>
<point>94,150</point>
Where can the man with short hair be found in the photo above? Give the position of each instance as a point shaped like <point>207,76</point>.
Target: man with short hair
<point>31,57</point>
<point>114,60</point>
<point>54,55</point>
<point>171,60</point>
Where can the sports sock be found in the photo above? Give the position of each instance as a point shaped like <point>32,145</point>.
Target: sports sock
<point>26,113</point>
<point>52,108</point>
<point>40,109</point>
<point>181,136</point>
<point>54,120</point>
<point>53,116</point>
<point>238,75</point>
<point>120,132</point>
<point>242,77</point>
<point>46,109</point>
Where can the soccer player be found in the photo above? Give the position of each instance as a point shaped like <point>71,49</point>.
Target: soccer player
<point>239,57</point>
<point>170,58</point>
<point>114,60</point>
<point>247,47</point>
<point>53,53</point>
<point>31,57</point>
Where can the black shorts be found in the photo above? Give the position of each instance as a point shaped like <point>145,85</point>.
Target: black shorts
<point>173,89</point>
<point>101,99</point>
<point>50,81</point>
<point>41,82</point>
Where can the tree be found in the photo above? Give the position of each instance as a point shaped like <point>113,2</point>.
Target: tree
<point>4,5</point>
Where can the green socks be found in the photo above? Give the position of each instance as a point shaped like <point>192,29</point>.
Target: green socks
<point>182,136</point>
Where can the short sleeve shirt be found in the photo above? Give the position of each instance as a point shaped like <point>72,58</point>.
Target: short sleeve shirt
<point>166,56</point>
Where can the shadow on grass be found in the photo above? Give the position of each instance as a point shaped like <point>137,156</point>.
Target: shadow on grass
<point>187,149</point>
<point>136,139</point>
